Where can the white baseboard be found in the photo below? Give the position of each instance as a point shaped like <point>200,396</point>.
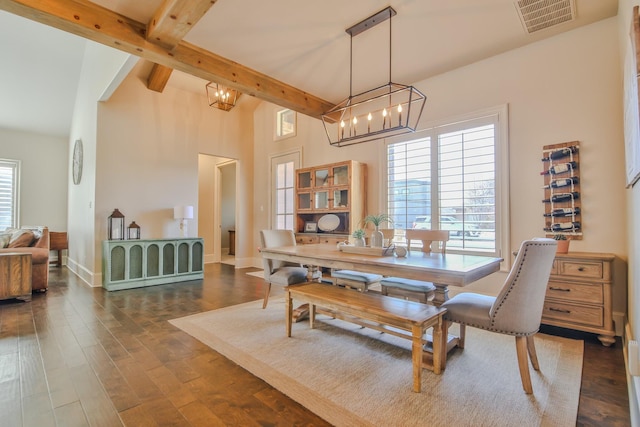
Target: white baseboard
<point>93,280</point>
<point>633,383</point>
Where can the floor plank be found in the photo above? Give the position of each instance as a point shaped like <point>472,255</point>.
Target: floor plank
<point>88,357</point>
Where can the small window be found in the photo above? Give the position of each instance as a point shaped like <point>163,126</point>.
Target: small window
<point>285,124</point>
<point>9,193</point>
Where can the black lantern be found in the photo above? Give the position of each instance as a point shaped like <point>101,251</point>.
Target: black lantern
<point>116,225</point>
<point>133,231</point>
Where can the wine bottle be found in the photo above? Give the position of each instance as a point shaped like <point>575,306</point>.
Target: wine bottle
<point>562,197</point>
<point>561,212</point>
<point>563,182</point>
<point>562,152</point>
<point>560,168</point>
<point>564,226</point>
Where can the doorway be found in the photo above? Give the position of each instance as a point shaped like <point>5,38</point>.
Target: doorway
<point>217,209</point>
<point>227,211</point>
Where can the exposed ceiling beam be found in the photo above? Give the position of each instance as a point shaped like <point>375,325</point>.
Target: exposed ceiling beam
<point>174,19</point>
<point>158,77</point>
<point>168,26</point>
<point>101,25</point>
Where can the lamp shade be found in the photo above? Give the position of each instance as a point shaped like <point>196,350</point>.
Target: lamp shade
<point>183,212</point>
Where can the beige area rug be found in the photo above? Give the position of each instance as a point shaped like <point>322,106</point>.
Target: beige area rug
<point>352,376</point>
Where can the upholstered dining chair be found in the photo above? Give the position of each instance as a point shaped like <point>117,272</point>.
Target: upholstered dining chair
<point>517,310</point>
<point>282,273</point>
<point>418,290</point>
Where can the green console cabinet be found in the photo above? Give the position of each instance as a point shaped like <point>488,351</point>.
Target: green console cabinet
<point>130,264</point>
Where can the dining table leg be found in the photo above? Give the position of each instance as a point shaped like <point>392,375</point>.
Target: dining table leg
<point>441,294</point>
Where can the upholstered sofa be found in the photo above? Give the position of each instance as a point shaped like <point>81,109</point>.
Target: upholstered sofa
<point>34,240</point>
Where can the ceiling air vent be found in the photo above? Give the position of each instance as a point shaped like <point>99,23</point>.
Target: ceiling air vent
<point>537,15</point>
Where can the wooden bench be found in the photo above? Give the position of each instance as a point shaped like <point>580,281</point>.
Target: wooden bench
<point>406,319</point>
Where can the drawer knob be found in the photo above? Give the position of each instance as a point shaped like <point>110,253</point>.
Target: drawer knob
<point>580,268</point>
<point>559,311</point>
<point>553,288</point>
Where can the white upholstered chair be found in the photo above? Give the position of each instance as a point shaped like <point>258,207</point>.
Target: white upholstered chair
<point>517,309</point>
<point>280,272</point>
<point>417,290</point>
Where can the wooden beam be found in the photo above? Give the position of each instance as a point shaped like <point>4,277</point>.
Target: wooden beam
<point>168,26</point>
<point>174,19</point>
<point>101,25</point>
<point>158,77</point>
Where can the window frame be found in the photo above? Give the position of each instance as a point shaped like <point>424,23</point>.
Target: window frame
<point>16,165</point>
<point>432,130</point>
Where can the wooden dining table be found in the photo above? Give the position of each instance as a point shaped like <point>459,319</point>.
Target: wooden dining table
<point>442,270</point>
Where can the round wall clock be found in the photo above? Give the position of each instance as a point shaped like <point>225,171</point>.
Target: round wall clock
<point>77,162</point>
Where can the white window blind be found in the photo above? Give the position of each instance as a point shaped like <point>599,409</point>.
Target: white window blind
<point>467,182</point>
<point>449,178</point>
<point>9,193</point>
<point>409,181</point>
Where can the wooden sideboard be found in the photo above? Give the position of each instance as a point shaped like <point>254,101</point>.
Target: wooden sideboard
<point>579,294</point>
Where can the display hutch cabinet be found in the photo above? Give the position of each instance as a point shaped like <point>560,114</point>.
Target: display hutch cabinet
<point>337,189</point>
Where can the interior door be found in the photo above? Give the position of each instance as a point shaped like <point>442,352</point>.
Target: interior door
<point>283,181</point>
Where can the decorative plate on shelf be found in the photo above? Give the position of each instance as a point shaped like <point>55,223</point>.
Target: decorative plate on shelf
<point>328,222</point>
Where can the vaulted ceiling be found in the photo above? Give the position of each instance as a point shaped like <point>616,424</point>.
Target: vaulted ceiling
<point>290,52</point>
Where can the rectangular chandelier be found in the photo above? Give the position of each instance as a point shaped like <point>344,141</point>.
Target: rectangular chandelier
<point>221,97</point>
<point>386,111</point>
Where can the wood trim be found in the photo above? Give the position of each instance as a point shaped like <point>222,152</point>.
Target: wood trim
<point>93,22</point>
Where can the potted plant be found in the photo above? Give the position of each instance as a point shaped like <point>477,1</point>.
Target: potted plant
<point>358,237</point>
<point>563,243</point>
<point>377,237</point>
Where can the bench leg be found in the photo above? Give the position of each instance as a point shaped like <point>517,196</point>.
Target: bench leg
<point>312,315</point>
<point>439,346</point>
<point>416,356</point>
<point>289,310</point>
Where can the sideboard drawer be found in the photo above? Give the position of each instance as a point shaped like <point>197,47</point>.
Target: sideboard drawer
<point>332,240</point>
<point>575,292</point>
<point>592,270</point>
<point>306,240</point>
<point>580,314</point>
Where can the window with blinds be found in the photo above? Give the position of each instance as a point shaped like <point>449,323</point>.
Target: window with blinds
<point>9,193</point>
<point>449,179</point>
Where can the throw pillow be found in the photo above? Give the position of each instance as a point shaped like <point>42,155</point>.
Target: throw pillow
<point>5,238</point>
<point>21,239</point>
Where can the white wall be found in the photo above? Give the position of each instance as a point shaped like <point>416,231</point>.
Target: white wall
<point>625,8</point>
<point>43,177</point>
<point>148,154</point>
<point>561,89</point>
<point>100,65</point>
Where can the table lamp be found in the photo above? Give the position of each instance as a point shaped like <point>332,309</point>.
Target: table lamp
<point>183,213</point>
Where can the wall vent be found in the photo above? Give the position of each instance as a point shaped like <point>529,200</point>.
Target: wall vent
<point>537,15</point>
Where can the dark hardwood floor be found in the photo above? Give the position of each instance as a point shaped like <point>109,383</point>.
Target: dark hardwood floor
<point>77,356</point>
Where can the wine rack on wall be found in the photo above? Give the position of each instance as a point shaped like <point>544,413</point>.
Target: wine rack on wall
<point>562,197</point>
